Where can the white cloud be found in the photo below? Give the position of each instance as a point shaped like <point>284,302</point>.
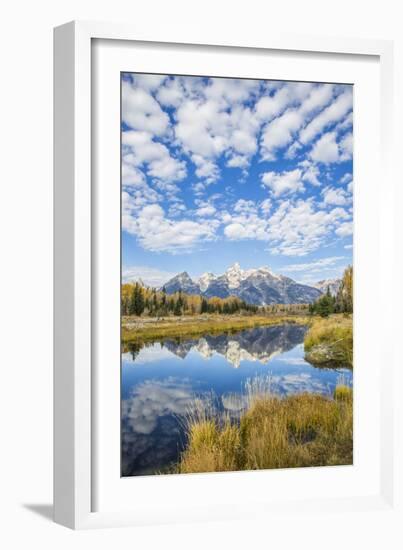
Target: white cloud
<point>230,91</point>
<point>131,175</point>
<point>160,234</point>
<point>345,229</point>
<point>346,147</point>
<point>311,172</point>
<point>141,150</point>
<point>266,206</point>
<point>347,177</point>
<point>282,183</point>
<point>292,150</point>
<point>326,149</point>
<point>238,231</point>
<point>319,97</point>
<point>197,128</point>
<point>279,133</point>
<point>243,141</point>
<point>149,275</point>
<point>206,128</point>
<point>199,188</point>
<point>246,227</point>
<point>336,196</point>
<point>238,161</point>
<point>148,82</point>
<point>176,207</point>
<point>295,229</point>
<point>134,197</point>
<point>282,130</point>
<point>141,111</point>
<point>245,207</point>
<point>315,266</point>
<point>205,169</point>
<point>286,95</point>
<point>245,222</point>
<point>269,107</point>
<point>129,206</point>
<point>346,123</point>
<point>333,113</point>
<point>205,211</point>
<point>348,246</point>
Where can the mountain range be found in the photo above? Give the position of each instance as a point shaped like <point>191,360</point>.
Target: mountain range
<point>255,286</point>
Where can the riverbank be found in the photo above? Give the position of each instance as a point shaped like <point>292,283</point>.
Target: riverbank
<point>329,341</point>
<point>151,329</point>
<point>273,432</point>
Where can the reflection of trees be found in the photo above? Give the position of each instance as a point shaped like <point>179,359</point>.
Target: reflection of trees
<point>134,349</point>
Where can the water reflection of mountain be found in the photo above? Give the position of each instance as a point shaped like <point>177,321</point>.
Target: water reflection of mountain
<point>258,344</point>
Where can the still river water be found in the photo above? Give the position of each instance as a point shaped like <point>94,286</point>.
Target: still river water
<point>160,380</point>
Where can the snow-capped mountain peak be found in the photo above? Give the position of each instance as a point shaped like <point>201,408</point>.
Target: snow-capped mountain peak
<point>184,276</point>
<point>234,275</point>
<point>204,280</point>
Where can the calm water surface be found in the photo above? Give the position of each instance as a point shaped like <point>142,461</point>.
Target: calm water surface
<point>160,380</point>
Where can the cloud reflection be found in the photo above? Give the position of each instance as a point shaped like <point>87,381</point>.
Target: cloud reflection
<point>153,399</point>
<point>297,383</point>
<point>151,432</point>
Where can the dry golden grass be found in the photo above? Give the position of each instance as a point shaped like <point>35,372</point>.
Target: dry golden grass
<point>144,330</point>
<point>330,340</point>
<point>273,432</point>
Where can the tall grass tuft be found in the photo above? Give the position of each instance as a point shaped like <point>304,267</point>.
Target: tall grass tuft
<point>271,432</point>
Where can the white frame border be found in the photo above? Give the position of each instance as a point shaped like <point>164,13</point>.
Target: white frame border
<point>72,263</point>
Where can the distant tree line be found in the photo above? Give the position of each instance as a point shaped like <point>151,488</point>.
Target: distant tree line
<point>285,309</point>
<point>341,303</point>
<point>137,299</point>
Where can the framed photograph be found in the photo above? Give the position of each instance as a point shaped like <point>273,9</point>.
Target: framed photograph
<point>221,223</point>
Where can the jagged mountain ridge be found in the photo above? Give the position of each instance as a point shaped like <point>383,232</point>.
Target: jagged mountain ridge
<point>332,284</point>
<point>255,286</point>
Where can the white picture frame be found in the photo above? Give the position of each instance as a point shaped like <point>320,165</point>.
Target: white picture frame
<point>76,294</point>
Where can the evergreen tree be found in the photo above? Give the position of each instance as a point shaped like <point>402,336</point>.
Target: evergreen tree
<point>204,306</point>
<point>137,304</point>
<point>177,308</point>
<point>324,306</point>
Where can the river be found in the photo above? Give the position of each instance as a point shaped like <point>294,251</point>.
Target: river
<point>161,379</point>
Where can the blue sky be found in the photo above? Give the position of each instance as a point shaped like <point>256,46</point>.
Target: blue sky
<point>217,171</point>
